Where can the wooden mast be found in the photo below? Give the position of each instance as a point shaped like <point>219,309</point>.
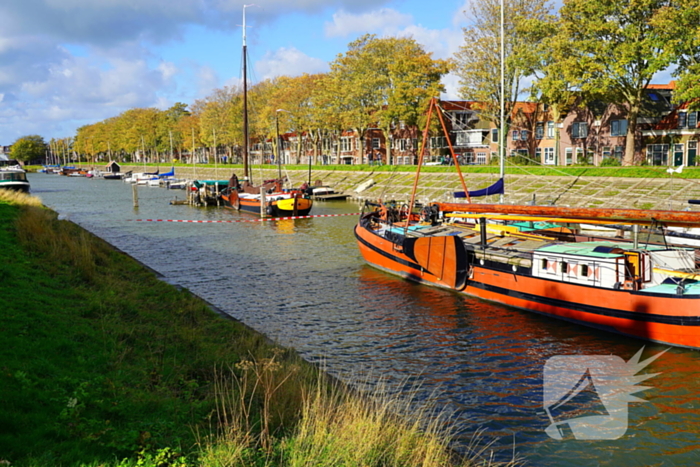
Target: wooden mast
<point>246,170</point>
<point>434,107</point>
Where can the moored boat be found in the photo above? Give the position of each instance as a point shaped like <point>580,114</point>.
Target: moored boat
<point>327,193</point>
<point>646,290</point>
<point>269,199</point>
<point>14,179</point>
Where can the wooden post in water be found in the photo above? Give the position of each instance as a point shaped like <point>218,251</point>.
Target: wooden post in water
<point>135,192</point>
<point>262,201</point>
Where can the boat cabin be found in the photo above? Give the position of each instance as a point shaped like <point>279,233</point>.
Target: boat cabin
<point>609,265</point>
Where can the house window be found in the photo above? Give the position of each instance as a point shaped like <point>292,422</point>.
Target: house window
<point>539,130</point>
<point>345,144</point>
<point>619,152</point>
<point>462,118</point>
<point>516,135</point>
<point>494,135</point>
<point>438,142</point>
<point>657,154</point>
<point>692,120</point>
<point>618,128</point>
<point>538,155</point>
<point>606,152</point>
<point>682,119</point>
<point>550,130</point>
<point>402,125</point>
<point>569,156</point>
<point>524,135</point>
<point>549,156</point>
<point>403,144</point>
<point>579,130</point>
<point>375,143</point>
<point>481,158</point>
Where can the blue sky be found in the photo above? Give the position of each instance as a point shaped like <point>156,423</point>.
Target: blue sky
<point>67,63</point>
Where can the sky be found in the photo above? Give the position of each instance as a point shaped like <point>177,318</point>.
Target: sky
<point>69,63</point>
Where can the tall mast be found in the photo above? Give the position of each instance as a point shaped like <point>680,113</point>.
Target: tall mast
<point>501,134</point>
<point>246,171</point>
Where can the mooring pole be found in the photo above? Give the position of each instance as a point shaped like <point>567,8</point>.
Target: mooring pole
<point>135,192</point>
<point>262,201</point>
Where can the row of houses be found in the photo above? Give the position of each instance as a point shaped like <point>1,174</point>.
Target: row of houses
<point>666,135</point>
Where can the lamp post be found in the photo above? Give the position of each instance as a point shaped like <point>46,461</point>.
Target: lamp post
<point>279,145</point>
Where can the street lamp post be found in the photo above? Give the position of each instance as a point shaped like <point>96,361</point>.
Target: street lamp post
<point>279,145</point>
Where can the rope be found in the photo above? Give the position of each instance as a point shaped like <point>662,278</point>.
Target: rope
<point>243,220</point>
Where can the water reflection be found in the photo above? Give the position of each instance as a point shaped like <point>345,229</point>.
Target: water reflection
<point>304,284</point>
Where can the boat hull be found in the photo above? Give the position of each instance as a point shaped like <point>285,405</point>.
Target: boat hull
<point>663,318</point>
<point>289,207</point>
<point>22,187</point>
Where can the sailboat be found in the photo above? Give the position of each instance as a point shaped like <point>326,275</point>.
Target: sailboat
<point>270,198</point>
<point>649,291</point>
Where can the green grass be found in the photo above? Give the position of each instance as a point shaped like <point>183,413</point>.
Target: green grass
<point>566,171</point>
<point>100,359</point>
<point>103,364</point>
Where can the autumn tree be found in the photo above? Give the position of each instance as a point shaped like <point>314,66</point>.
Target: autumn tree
<point>617,52</point>
<point>681,21</point>
<point>479,58</point>
<point>551,86</point>
<point>28,148</point>
<point>382,80</point>
<point>291,104</point>
<point>221,118</point>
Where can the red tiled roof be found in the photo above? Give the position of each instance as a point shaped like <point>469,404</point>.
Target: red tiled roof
<point>670,86</point>
<point>457,105</point>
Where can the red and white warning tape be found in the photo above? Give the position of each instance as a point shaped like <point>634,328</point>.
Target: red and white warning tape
<point>245,220</point>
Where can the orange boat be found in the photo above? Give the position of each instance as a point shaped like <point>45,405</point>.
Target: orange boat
<point>270,199</point>
<point>644,290</point>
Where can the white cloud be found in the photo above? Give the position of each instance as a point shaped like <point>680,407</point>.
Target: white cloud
<point>207,80</point>
<point>451,83</point>
<point>460,18</point>
<point>85,89</point>
<point>289,62</point>
<point>385,20</point>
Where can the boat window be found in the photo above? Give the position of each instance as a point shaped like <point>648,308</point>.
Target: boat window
<point>564,267</point>
<point>544,264</point>
<point>584,270</point>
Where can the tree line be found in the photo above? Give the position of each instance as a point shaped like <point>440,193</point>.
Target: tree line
<point>588,50</point>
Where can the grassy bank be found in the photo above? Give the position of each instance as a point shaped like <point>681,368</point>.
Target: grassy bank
<point>511,169</point>
<point>101,363</point>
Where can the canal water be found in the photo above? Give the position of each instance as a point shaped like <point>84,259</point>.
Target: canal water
<point>304,284</point>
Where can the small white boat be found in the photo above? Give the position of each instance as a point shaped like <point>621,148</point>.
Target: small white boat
<point>327,193</point>
<point>14,179</point>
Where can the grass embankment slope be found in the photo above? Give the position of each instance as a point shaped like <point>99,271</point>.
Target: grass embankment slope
<point>101,363</point>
